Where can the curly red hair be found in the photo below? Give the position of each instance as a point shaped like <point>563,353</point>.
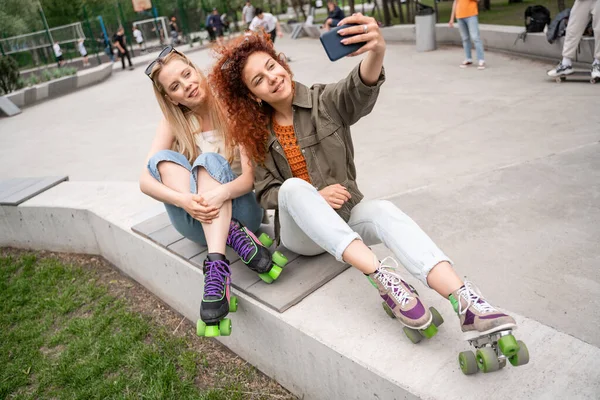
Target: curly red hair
<point>249,120</point>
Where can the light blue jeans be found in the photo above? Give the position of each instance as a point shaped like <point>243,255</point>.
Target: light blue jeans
<point>244,208</point>
<point>469,30</point>
<point>309,226</point>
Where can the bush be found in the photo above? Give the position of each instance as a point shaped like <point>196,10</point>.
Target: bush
<point>9,75</point>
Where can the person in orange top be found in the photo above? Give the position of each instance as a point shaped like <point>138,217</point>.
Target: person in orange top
<point>466,12</point>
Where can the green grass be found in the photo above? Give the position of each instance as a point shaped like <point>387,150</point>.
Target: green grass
<point>64,336</point>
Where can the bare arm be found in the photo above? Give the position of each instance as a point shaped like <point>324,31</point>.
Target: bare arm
<point>243,183</point>
<point>148,184</point>
<point>453,14</point>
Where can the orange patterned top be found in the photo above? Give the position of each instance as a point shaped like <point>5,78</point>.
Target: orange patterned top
<point>287,138</point>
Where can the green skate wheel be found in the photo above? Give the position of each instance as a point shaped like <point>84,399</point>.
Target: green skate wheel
<point>388,310</point>
<point>508,345</point>
<point>200,328</point>
<point>225,327</point>
<point>522,356</point>
<point>437,318</point>
<point>233,303</point>
<point>265,240</point>
<point>412,334</point>
<point>279,259</point>
<point>487,360</point>
<point>467,362</point>
<point>265,277</point>
<point>429,332</point>
<point>211,331</point>
<point>275,271</point>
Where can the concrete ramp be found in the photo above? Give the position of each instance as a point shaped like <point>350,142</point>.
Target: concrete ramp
<point>337,343</point>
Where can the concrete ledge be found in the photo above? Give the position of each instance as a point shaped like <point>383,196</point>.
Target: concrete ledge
<point>59,87</point>
<point>335,344</point>
<point>499,38</point>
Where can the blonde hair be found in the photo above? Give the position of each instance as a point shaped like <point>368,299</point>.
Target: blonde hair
<point>182,120</point>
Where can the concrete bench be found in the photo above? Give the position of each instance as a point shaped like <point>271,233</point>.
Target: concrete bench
<point>499,38</point>
<point>17,190</point>
<point>300,277</point>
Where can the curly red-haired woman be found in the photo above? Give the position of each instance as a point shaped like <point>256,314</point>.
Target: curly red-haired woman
<point>300,139</point>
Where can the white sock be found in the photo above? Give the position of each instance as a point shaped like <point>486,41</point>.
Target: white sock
<point>566,61</point>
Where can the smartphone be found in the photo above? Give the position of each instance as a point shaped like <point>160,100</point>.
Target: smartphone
<point>333,46</point>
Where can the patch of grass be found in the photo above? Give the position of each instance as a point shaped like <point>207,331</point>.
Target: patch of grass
<point>63,335</point>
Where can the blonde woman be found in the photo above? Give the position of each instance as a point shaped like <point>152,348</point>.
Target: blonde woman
<point>205,183</point>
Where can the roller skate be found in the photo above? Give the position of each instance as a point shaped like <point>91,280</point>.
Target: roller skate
<point>217,301</point>
<point>401,301</point>
<point>254,251</point>
<point>489,331</point>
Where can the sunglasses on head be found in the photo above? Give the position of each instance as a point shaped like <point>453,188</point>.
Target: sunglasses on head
<point>165,52</point>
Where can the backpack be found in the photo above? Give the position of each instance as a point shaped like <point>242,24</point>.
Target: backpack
<point>539,17</point>
<point>558,26</point>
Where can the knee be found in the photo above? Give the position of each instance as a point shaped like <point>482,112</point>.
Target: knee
<point>384,211</point>
<point>156,165</point>
<point>210,159</point>
<point>294,185</point>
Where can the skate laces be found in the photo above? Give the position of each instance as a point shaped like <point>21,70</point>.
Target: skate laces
<point>392,280</point>
<point>240,241</point>
<point>473,298</point>
<point>215,276</point>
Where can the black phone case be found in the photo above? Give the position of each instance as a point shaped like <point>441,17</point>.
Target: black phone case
<point>331,42</point>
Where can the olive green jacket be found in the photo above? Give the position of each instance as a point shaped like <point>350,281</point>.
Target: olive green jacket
<point>322,118</point>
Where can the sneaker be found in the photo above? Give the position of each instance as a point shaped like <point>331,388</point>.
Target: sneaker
<point>596,71</point>
<point>217,279</point>
<point>477,315</point>
<point>466,63</point>
<point>401,297</point>
<point>561,69</point>
<point>481,64</point>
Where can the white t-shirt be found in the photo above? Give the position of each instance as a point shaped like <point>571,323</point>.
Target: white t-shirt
<point>268,23</point>
<point>138,36</point>
<point>212,142</point>
<point>57,50</point>
<point>82,50</point>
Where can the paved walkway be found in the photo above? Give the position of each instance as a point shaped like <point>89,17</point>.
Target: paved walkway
<point>501,167</point>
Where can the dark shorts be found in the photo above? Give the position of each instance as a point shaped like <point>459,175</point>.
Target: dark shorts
<point>84,55</point>
<point>334,22</point>
<point>273,34</point>
<point>60,58</point>
<point>218,32</point>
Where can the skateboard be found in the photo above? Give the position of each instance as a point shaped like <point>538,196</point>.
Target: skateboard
<point>416,335</point>
<point>577,75</point>
<point>492,351</point>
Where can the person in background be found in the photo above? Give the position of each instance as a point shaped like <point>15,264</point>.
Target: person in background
<point>466,12</point>
<point>120,43</point>
<point>174,31</point>
<point>267,22</point>
<point>216,25</point>
<point>83,52</point>
<point>58,54</point>
<point>334,16</point>
<point>139,38</point>
<point>578,21</point>
<point>248,14</point>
